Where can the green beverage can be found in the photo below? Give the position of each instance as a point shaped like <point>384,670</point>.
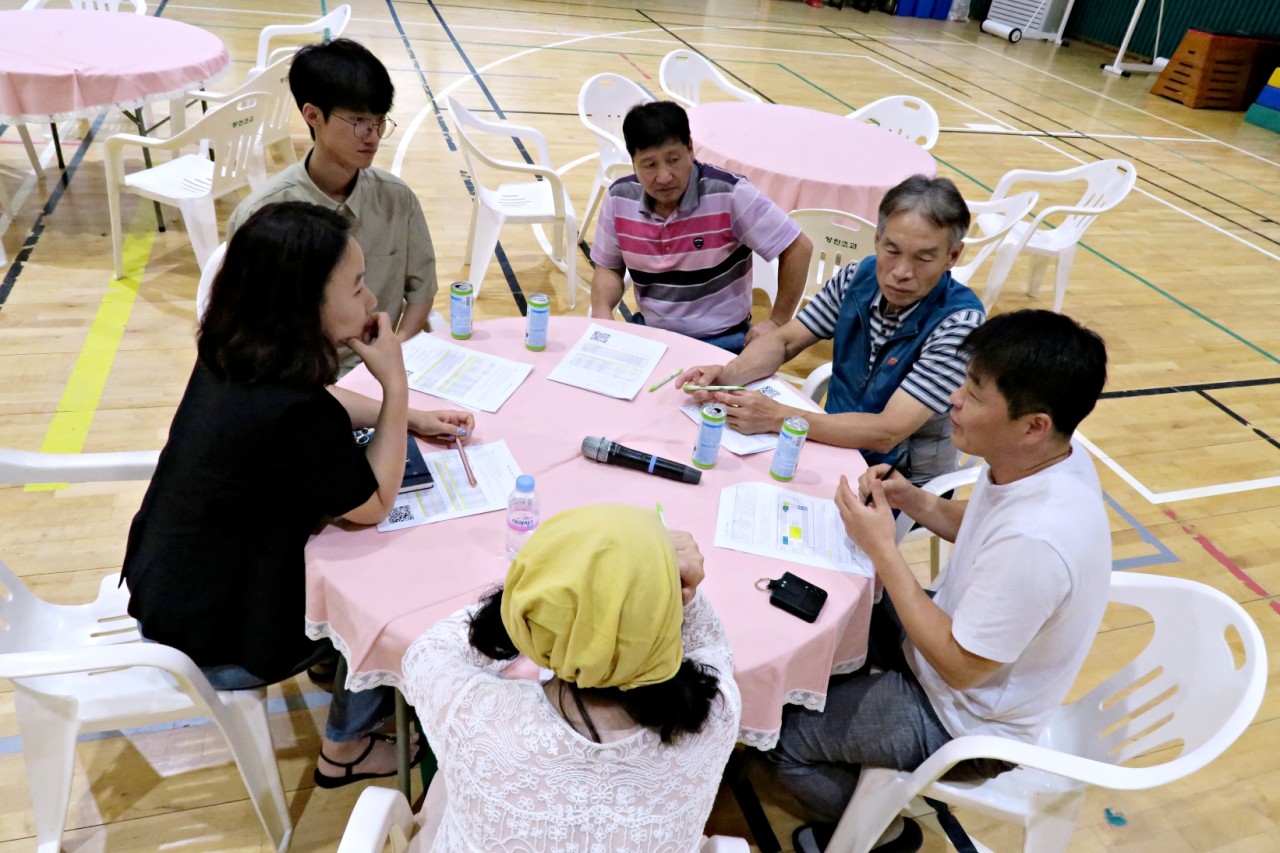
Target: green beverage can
<point>787,454</point>
<point>535,333</point>
<point>460,299</point>
<point>710,432</point>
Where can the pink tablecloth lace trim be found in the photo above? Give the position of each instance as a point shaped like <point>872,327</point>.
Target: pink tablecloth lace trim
<point>356,681</point>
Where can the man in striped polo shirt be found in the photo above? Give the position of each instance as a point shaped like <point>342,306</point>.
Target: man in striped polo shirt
<point>685,231</point>
<point>897,320</point>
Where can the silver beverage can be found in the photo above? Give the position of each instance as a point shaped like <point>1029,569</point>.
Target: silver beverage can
<point>787,454</point>
<point>535,332</point>
<point>460,299</point>
<point>710,432</point>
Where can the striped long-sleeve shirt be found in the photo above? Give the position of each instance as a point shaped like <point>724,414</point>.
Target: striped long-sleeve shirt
<point>692,270</point>
<point>940,369</point>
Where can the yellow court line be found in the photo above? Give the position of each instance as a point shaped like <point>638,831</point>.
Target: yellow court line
<point>70,425</point>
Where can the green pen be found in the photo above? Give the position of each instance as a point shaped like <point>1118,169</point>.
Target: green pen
<point>655,386</point>
<point>662,516</point>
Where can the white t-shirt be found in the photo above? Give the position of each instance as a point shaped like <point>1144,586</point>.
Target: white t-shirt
<point>1027,585</point>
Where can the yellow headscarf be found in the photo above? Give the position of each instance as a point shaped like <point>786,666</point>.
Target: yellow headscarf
<point>594,595</point>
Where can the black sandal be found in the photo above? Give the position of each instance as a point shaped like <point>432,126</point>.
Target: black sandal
<point>322,673</point>
<point>349,775</point>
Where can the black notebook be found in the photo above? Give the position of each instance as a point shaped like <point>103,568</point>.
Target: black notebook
<point>417,476</point>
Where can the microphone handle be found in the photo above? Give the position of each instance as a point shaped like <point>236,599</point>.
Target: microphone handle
<point>652,464</point>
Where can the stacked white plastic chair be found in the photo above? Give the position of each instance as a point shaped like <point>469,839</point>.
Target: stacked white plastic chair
<point>1183,701</point>
<point>192,181</point>
<point>683,73</point>
<point>531,202</point>
<point>274,80</point>
<point>990,221</point>
<point>1107,183</point>
<point>83,668</point>
<point>603,102</point>
<point>903,115</point>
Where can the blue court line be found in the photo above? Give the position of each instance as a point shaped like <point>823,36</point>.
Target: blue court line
<point>12,745</point>
<point>1162,555</point>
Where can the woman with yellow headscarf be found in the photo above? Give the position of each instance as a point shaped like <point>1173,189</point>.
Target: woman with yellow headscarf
<point>623,747</point>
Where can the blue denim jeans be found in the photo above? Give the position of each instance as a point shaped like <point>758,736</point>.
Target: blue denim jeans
<point>733,339</point>
<point>352,714</point>
<point>883,719</point>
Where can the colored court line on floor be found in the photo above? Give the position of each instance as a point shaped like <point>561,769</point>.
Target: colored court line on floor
<point>1237,571</point>
<point>1162,555</point>
<point>79,404</point>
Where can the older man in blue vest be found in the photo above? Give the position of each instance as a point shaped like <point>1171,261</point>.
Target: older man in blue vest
<point>897,320</point>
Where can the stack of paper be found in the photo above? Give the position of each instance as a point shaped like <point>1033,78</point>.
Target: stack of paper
<point>453,496</point>
<point>609,362</point>
<point>744,445</point>
<point>463,376</point>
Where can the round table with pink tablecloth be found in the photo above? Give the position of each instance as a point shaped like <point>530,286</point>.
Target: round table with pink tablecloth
<point>803,158</point>
<point>374,593</point>
<point>61,63</point>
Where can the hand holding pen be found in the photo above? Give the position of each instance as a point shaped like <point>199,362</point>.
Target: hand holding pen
<point>883,473</point>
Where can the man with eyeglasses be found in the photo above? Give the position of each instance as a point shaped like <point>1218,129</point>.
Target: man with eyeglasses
<point>344,94</point>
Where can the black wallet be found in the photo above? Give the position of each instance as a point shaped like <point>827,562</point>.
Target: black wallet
<point>796,596</point>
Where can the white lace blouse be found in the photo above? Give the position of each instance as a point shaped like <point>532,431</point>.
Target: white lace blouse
<point>519,778</point>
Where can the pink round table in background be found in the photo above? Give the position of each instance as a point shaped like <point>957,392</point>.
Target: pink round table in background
<point>374,593</point>
<point>62,63</point>
<point>803,158</point>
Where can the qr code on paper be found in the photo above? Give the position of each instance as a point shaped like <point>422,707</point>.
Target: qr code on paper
<point>600,337</point>
<point>770,392</point>
<point>400,514</point>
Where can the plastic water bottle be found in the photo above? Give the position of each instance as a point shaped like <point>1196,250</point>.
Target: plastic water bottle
<point>522,514</point>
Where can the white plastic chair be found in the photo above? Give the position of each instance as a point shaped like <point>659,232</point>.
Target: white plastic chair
<point>1107,183</point>
<point>837,239</point>
<point>683,72</point>
<point>533,202</point>
<point>192,181</point>
<point>208,273</point>
<point>274,79</point>
<point>603,102</point>
<point>382,817</point>
<point>990,221</point>
<point>1185,686</point>
<point>335,23</point>
<point>83,668</point>
<point>903,115</point>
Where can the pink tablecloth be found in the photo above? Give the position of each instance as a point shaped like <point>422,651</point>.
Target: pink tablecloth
<point>60,63</point>
<point>802,158</point>
<point>375,593</point>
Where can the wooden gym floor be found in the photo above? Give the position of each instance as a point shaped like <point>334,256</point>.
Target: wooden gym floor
<point>1177,280</point>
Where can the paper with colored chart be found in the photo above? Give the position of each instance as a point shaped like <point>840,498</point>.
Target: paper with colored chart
<point>744,445</point>
<point>453,496</point>
<point>609,362</point>
<point>757,518</point>
<point>460,375</point>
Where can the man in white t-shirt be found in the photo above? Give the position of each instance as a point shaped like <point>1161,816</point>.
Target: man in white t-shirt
<point>996,648</point>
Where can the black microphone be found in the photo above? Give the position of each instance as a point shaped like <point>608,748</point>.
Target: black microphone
<point>612,453</point>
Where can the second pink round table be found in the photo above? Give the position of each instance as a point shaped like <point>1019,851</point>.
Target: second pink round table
<point>803,158</point>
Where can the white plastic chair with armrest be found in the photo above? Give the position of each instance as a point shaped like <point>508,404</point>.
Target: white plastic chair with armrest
<point>83,668</point>
<point>837,239</point>
<point>1186,687</point>
<point>1107,183</point>
<point>192,181</point>
<point>335,23</point>
<point>683,72</point>
<point>534,202</point>
<point>603,102</point>
<point>990,221</point>
<point>274,79</point>
<point>382,817</point>
<point>903,115</point>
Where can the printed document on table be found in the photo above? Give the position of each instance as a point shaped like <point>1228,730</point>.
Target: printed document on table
<point>757,518</point>
<point>609,362</point>
<point>744,445</point>
<point>460,375</point>
<point>452,496</point>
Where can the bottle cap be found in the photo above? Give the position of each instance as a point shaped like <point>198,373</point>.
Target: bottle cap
<point>524,483</point>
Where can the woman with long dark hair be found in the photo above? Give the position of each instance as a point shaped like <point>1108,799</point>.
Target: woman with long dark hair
<point>260,453</point>
<point>623,747</point>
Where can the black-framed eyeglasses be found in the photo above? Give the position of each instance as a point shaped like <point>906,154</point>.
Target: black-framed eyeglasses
<point>384,126</point>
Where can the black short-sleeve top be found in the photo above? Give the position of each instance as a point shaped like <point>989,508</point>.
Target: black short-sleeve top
<point>215,555</point>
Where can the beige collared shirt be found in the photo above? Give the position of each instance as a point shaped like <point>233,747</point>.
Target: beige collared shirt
<point>387,222</point>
